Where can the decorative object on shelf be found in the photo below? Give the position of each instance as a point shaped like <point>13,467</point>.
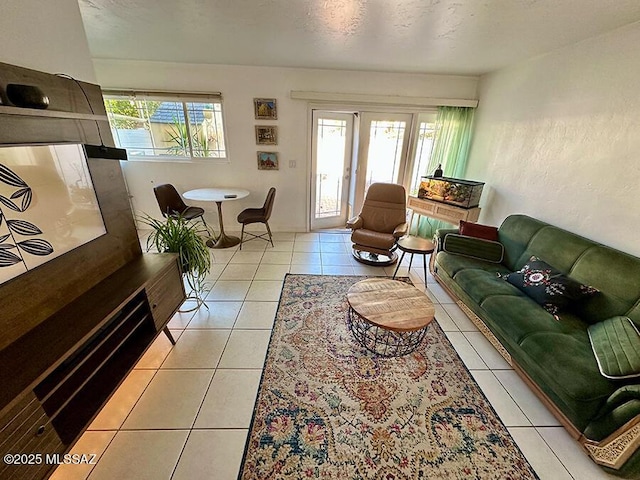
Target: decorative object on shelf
<point>267,160</point>
<point>454,191</point>
<point>266,135</point>
<point>53,200</point>
<point>265,108</point>
<point>184,237</point>
<point>438,172</point>
<point>27,96</point>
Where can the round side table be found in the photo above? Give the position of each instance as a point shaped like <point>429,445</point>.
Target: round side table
<point>388,317</point>
<point>415,245</point>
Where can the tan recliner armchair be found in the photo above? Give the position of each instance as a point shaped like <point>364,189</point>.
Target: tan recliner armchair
<point>380,224</point>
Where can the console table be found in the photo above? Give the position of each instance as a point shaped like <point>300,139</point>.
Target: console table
<point>442,211</point>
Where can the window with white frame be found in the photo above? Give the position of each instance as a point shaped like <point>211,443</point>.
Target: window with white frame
<point>167,126</point>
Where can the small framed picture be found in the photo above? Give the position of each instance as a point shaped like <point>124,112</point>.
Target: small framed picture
<point>265,108</point>
<point>267,160</point>
<point>266,135</point>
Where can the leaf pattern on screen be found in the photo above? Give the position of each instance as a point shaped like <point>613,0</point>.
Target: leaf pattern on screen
<point>12,245</point>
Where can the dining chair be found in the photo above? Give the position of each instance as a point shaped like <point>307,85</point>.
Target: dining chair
<point>172,205</point>
<point>258,215</point>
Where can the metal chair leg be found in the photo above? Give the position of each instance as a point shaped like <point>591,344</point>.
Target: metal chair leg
<point>269,230</point>
<point>241,236</point>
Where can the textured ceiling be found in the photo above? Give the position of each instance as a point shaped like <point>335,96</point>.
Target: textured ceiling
<point>468,37</point>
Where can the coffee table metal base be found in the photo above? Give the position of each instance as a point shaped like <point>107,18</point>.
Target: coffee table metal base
<point>382,341</point>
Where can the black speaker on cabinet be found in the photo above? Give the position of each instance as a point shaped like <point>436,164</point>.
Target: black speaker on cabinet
<point>27,96</point>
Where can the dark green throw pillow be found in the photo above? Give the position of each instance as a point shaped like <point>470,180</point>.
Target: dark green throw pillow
<point>549,287</point>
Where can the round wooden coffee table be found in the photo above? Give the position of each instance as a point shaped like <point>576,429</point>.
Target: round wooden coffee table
<point>388,317</point>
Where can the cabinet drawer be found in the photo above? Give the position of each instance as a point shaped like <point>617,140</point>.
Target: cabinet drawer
<point>449,214</point>
<point>420,206</point>
<point>165,295</point>
<point>28,433</point>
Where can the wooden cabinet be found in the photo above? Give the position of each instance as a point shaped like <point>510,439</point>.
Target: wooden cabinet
<point>54,385</point>
<point>442,211</point>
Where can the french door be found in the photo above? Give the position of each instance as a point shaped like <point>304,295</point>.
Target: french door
<point>350,151</point>
<point>332,145</point>
<point>383,153</point>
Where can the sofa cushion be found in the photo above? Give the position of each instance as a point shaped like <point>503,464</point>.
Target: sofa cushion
<point>452,264</point>
<point>547,286</point>
<point>564,366</point>
<point>617,276</point>
<point>517,317</point>
<point>544,244</point>
<point>515,233</point>
<point>369,238</point>
<point>480,284</point>
<point>616,345</point>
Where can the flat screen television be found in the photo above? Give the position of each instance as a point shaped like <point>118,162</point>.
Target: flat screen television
<point>48,205</point>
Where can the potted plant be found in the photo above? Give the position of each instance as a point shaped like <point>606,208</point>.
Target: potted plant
<point>184,237</point>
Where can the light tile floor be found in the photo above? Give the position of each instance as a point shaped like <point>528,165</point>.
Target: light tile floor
<point>184,411</point>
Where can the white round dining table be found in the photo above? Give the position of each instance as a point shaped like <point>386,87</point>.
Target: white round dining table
<point>218,195</point>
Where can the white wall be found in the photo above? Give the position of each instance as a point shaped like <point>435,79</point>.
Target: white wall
<point>239,85</point>
<point>557,137</point>
<point>45,35</point>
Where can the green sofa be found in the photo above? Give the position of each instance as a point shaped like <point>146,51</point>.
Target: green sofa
<point>554,355</point>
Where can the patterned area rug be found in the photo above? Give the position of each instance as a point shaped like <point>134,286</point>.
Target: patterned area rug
<point>327,408</point>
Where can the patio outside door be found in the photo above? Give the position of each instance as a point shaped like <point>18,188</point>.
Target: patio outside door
<point>331,166</point>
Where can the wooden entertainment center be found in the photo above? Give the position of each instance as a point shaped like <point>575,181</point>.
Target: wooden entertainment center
<point>74,327</point>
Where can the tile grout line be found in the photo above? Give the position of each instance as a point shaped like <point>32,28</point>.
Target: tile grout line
<point>554,452</point>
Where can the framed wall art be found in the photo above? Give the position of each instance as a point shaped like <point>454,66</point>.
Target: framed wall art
<point>265,108</point>
<point>266,135</point>
<point>48,205</point>
<point>267,160</point>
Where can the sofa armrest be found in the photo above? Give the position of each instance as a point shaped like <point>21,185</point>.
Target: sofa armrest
<point>621,396</point>
<point>355,223</point>
<point>441,233</point>
<point>622,406</point>
<point>473,247</point>
<point>400,230</point>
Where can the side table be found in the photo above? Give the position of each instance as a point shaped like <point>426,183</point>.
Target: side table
<point>415,245</point>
